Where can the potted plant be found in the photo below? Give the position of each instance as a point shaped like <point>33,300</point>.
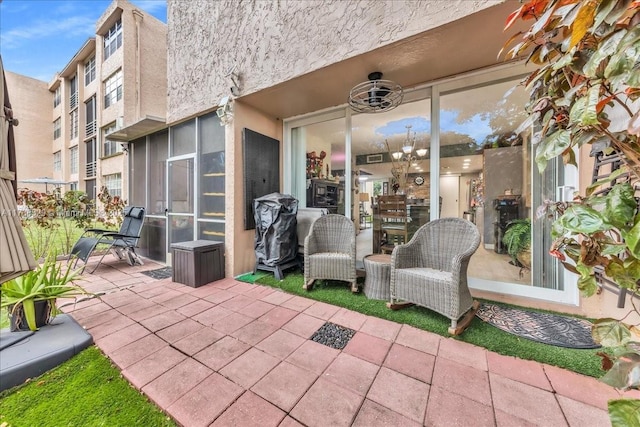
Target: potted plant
<point>584,92</point>
<point>517,240</point>
<point>31,298</point>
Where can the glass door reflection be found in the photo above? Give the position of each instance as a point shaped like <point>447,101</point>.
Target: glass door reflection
<point>180,208</point>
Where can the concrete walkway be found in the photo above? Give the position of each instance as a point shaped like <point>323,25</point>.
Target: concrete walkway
<point>235,354</point>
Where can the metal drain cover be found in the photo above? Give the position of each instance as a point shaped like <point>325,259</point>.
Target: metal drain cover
<point>332,335</point>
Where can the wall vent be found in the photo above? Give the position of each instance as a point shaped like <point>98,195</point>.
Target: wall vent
<point>374,158</point>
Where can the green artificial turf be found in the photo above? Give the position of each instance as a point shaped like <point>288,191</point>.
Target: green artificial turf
<point>251,278</point>
<point>479,333</point>
<point>85,391</point>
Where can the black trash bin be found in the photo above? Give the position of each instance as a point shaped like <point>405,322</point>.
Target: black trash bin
<point>276,241</point>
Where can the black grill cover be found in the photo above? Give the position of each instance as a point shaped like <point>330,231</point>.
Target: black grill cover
<point>276,221</point>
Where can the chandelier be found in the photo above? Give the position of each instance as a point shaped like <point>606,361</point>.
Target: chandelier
<point>404,150</point>
<point>402,158</point>
<point>375,95</point>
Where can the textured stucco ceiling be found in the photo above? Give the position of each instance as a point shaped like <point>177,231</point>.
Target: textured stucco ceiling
<point>467,44</point>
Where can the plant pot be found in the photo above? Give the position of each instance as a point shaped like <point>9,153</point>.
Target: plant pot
<point>43,311</point>
<point>524,258</point>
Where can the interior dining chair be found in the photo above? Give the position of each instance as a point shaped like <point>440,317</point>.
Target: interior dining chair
<point>393,221</point>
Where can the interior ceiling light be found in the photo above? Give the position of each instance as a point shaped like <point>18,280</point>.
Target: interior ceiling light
<point>375,95</point>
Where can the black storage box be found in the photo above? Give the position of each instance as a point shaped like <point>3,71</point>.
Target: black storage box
<point>198,262</point>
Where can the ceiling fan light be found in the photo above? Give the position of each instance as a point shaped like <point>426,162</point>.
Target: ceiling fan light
<point>375,95</point>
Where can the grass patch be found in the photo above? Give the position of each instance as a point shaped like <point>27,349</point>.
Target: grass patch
<point>60,237</point>
<point>479,333</point>
<point>84,391</point>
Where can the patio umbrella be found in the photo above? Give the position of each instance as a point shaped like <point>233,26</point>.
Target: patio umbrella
<point>15,256</point>
<point>46,181</point>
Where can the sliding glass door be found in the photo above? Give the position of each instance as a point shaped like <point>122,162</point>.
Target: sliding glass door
<point>472,164</point>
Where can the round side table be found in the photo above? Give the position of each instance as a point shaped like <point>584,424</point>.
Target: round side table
<point>377,279</point>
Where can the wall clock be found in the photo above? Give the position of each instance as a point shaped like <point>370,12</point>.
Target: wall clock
<point>418,180</point>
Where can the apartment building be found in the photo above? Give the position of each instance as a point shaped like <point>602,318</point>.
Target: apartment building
<point>117,79</point>
<point>31,104</point>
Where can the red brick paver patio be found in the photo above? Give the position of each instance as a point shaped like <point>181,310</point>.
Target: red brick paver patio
<point>235,354</point>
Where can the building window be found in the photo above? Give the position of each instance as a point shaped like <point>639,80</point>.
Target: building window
<point>73,159</point>
<point>57,128</point>
<point>73,117</point>
<point>57,161</point>
<point>113,89</point>
<point>90,189</point>
<point>109,147</point>
<point>90,117</point>
<point>73,92</point>
<point>73,186</point>
<point>113,183</point>
<point>90,157</point>
<point>113,39</point>
<point>57,96</point>
<point>90,71</point>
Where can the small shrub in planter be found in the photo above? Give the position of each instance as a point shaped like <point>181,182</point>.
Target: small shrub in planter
<point>30,299</point>
<point>517,240</point>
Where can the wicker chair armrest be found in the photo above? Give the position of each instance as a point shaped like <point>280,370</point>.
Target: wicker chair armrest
<point>458,259</point>
<point>407,256</point>
<point>310,244</point>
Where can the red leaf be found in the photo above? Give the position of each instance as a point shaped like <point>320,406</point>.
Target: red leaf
<point>557,254</point>
<point>607,363</point>
<point>600,105</point>
<point>513,17</point>
<point>534,9</point>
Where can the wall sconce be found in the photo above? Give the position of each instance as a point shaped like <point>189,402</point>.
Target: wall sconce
<point>224,111</point>
<point>125,146</point>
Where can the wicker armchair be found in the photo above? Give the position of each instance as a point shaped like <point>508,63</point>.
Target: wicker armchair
<point>330,251</point>
<point>431,270</point>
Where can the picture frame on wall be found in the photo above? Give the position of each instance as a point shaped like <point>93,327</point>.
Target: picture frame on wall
<point>385,188</point>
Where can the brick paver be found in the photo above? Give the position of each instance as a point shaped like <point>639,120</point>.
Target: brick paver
<point>231,353</point>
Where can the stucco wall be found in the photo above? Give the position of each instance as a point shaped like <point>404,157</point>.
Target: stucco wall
<point>143,62</point>
<point>239,242</point>
<point>270,42</point>
<point>32,103</point>
<point>153,67</point>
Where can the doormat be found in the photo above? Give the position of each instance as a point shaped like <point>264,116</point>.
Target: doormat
<point>552,329</point>
<point>333,335</point>
<point>160,273</point>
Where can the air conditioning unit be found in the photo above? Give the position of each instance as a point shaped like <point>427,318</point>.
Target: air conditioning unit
<point>374,158</point>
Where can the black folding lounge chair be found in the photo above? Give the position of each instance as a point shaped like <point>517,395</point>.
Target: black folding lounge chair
<point>122,243</point>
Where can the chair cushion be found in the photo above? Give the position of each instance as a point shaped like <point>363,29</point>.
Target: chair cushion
<point>332,256</point>
<point>427,273</point>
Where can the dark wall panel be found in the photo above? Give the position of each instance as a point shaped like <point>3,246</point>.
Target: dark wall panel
<point>261,170</point>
